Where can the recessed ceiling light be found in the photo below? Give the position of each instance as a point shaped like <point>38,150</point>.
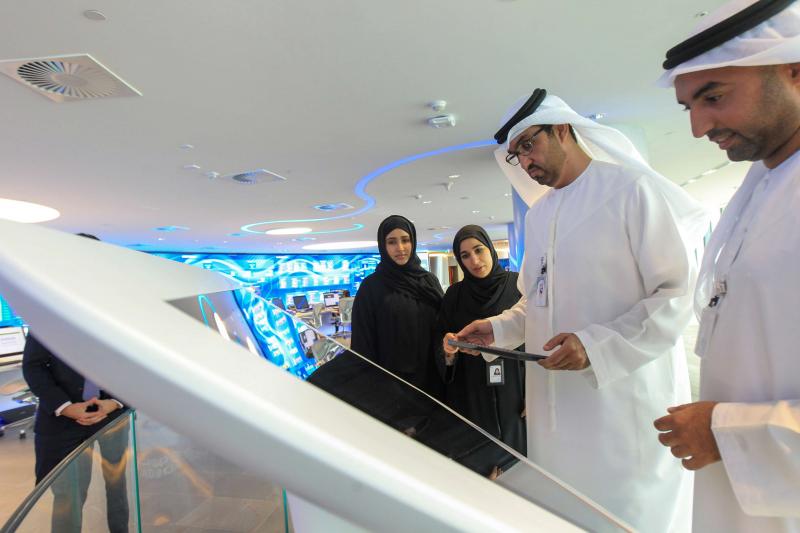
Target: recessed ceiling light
<point>251,177</point>
<point>426,202</point>
<point>26,212</point>
<point>345,245</point>
<point>161,239</point>
<point>288,231</point>
<point>475,212</point>
<point>507,194</point>
<point>187,147</point>
<point>333,207</point>
<point>93,14</point>
<point>172,228</point>
<point>454,176</point>
<point>192,167</point>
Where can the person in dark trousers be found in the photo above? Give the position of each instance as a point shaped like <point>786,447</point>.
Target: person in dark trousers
<point>72,409</point>
<point>486,290</point>
<point>395,308</point>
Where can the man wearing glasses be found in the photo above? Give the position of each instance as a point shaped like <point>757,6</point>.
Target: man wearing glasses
<point>607,283</point>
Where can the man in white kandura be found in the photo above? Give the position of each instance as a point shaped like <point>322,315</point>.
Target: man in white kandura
<point>607,283</point>
<point>739,77</point>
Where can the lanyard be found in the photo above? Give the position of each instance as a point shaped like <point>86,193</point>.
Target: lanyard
<point>735,243</point>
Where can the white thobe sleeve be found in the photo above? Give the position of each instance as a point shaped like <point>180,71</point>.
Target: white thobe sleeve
<point>509,326</point>
<point>654,324</point>
<point>760,448</point>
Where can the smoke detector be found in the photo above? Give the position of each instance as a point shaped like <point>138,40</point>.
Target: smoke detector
<point>252,177</point>
<point>67,78</point>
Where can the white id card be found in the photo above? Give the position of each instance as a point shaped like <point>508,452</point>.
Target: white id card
<point>708,319</point>
<point>494,373</point>
<point>540,299</point>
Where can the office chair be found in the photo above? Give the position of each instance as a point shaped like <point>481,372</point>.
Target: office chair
<point>346,311</point>
<point>316,314</point>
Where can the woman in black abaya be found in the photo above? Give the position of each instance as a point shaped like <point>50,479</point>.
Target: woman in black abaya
<point>486,290</point>
<point>395,310</point>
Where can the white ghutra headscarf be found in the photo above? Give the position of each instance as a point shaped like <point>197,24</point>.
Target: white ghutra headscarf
<point>605,144</point>
<point>775,41</point>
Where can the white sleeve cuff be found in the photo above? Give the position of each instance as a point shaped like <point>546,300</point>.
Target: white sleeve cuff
<point>119,403</point>
<point>758,443</point>
<point>62,407</point>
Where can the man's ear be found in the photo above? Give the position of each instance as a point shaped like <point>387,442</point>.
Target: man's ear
<point>792,71</point>
<point>562,131</point>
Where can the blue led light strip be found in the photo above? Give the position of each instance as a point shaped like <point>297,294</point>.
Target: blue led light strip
<point>360,189</point>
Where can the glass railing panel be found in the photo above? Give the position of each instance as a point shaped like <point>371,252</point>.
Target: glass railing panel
<point>310,351</point>
<point>184,487</point>
<point>91,490</point>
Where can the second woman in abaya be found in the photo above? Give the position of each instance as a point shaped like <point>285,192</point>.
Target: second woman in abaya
<point>395,310</point>
<point>486,290</point>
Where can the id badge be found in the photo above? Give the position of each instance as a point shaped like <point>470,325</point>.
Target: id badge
<point>495,374</point>
<point>708,319</point>
<point>540,299</point>
<point>541,291</point>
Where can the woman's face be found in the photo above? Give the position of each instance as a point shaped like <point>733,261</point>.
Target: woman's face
<point>476,257</point>
<point>398,246</point>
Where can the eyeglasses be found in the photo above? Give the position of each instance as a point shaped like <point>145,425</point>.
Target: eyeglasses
<point>523,148</point>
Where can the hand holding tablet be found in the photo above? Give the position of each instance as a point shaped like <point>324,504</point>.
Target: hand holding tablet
<point>502,352</point>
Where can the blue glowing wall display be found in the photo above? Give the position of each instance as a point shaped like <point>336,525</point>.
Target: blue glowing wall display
<point>281,340</point>
<point>285,276</point>
<point>7,316</point>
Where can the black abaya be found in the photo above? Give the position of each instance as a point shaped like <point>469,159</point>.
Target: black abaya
<point>497,409</point>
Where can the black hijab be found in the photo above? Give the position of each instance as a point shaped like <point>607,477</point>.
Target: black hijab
<point>484,297</point>
<point>411,278</point>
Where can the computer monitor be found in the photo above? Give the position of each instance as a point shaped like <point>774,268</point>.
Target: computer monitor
<point>300,302</point>
<point>331,299</point>
<point>278,302</point>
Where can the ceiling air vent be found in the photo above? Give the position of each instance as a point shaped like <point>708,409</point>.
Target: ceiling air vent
<point>67,78</point>
<point>252,177</point>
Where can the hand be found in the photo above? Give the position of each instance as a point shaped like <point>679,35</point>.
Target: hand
<point>477,332</point>
<point>571,355</point>
<point>107,406</point>
<point>92,418</point>
<point>75,411</point>
<point>449,350</point>
<point>687,431</point>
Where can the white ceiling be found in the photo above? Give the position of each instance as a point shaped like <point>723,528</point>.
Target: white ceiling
<point>325,93</point>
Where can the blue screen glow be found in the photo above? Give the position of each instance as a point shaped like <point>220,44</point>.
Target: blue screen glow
<point>284,276</point>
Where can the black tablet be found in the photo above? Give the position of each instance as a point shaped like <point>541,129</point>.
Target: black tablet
<point>494,350</point>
